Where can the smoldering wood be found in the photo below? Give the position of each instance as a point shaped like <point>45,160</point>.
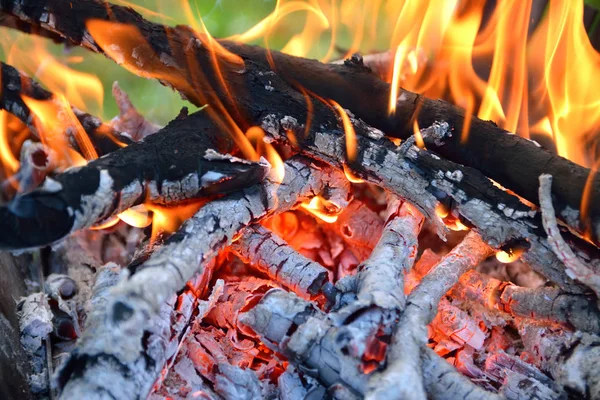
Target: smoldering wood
<point>402,379</point>
<point>518,386</point>
<point>540,304</point>
<point>178,163</point>
<point>571,359</point>
<point>574,266</point>
<point>16,84</point>
<point>509,159</point>
<point>408,175</point>
<point>135,304</point>
<point>443,382</point>
<point>310,340</point>
<point>380,279</point>
<point>272,255</point>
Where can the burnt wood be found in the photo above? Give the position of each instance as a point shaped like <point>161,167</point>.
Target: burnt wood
<point>173,165</point>
<point>510,160</point>
<point>261,97</point>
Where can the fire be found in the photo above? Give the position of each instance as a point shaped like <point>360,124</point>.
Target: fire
<point>137,216</point>
<point>322,209</point>
<point>54,118</point>
<point>256,135</point>
<point>9,161</point>
<point>348,131</point>
<point>509,255</point>
<point>538,80</point>
<point>169,219</point>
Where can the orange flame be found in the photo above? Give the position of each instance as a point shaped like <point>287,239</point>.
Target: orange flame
<point>322,209</point>
<point>348,131</point>
<point>54,118</point>
<point>169,219</point>
<point>9,161</point>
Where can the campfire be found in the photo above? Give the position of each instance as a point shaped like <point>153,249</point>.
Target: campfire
<point>418,220</point>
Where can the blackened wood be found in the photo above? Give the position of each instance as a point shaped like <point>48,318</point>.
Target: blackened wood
<point>179,57</point>
<point>178,163</point>
<point>14,368</point>
<point>16,84</point>
<point>510,160</point>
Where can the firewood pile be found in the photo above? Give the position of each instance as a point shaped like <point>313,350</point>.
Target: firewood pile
<point>326,249</point>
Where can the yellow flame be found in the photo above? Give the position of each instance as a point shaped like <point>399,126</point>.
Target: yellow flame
<point>137,216</point>
<point>322,209</point>
<point>509,256</point>
<point>256,135</point>
<point>108,223</point>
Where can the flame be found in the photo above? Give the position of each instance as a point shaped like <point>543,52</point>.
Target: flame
<point>322,209</point>
<point>350,175</point>
<point>510,255</point>
<point>137,216</point>
<point>348,131</point>
<point>108,223</point>
<point>53,119</point>
<point>31,55</point>
<point>9,161</point>
<point>452,222</point>
<point>257,137</point>
<point>169,219</point>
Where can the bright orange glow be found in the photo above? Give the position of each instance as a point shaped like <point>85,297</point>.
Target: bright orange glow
<point>350,175</point>
<point>137,216</point>
<point>349,132</point>
<point>9,161</point>
<point>450,220</point>
<point>169,219</point>
<point>509,256</point>
<point>322,209</point>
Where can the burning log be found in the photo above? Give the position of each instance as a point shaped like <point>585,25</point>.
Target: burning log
<point>509,159</point>
<point>412,173</point>
<point>402,377</point>
<point>136,300</point>
<point>272,255</point>
<point>542,304</point>
<point>574,265</point>
<point>380,279</point>
<point>187,167</point>
<point>15,85</point>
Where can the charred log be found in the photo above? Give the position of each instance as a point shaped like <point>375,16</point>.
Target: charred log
<point>179,163</point>
<point>127,313</point>
<point>510,160</point>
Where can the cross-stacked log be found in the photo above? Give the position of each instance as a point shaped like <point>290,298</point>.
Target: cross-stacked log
<point>289,99</point>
